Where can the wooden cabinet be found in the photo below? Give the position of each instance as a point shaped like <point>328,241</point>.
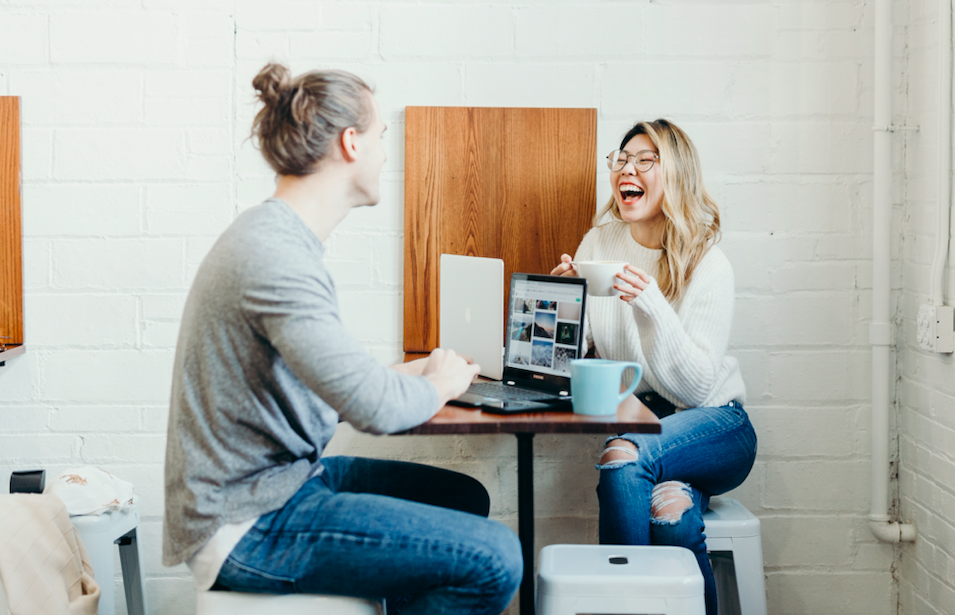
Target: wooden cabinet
<point>11,231</point>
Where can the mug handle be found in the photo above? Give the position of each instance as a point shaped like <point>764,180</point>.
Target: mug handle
<point>638,372</point>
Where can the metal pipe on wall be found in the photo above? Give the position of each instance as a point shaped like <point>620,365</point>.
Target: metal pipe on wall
<point>880,330</point>
<point>944,148</point>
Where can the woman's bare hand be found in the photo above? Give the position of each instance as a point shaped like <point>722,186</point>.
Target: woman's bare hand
<point>633,281</point>
<point>565,268</point>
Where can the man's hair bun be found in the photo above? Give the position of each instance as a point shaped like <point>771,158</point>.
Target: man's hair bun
<point>272,83</point>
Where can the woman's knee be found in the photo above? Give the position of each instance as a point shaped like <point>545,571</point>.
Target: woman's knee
<point>618,452</point>
<point>673,519</point>
<point>669,501</point>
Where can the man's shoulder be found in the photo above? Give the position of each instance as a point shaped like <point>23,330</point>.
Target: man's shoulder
<point>267,237</point>
<point>271,217</point>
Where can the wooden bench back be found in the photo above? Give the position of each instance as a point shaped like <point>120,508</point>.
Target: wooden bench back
<point>510,183</point>
<point>11,240</point>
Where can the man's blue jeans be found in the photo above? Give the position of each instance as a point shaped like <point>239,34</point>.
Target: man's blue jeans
<point>710,450</point>
<point>411,533</point>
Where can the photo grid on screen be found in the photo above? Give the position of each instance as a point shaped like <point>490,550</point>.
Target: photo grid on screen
<point>544,334</point>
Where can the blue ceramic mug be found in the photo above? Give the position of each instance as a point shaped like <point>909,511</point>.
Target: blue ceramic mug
<point>595,385</point>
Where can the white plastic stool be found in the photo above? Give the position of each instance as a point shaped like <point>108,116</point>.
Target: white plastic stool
<point>239,603</point>
<point>99,533</point>
<point>731,527</point>
<point>616,579</point>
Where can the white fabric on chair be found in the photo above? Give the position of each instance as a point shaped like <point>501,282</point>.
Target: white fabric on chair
<point>3,601</point>
<point>91,491</point>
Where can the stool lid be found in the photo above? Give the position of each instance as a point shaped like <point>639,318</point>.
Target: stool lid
<point>621,570</point>
<point>728,518</point>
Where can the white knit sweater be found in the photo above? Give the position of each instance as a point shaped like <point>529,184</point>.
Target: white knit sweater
<point>682,347</point>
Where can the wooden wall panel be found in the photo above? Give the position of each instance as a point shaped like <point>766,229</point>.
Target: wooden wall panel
<point>510,183</point>
<point>11,260</point>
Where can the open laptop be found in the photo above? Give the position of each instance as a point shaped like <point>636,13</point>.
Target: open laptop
<point>471,306</point>
<point>544,333</point>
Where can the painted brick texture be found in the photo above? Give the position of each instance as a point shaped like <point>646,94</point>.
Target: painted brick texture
<point>135,158</point>
<point>925,381</point>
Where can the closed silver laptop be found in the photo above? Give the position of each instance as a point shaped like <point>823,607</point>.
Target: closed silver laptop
<point>471,300</point>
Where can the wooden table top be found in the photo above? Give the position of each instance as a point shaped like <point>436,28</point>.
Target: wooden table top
<point>632,417</point>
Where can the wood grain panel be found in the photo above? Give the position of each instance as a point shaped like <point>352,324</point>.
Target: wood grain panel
<point>510,183</point>
<point>11,260</point>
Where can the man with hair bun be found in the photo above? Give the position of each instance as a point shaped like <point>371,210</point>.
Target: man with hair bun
<point>265,370</point>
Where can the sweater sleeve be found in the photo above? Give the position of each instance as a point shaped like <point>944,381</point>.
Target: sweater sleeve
<point>297,312</point>
<point>685,350</point>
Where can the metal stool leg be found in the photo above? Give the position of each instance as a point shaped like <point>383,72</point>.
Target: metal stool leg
<point>132,573</point>
<point>748,561</point>
<point>99,548</point>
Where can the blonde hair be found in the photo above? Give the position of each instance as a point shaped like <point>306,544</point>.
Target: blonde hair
<point>302,116</point>
<point>692,222</point>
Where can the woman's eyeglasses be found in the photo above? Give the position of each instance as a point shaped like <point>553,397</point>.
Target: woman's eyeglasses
<point>642,160</point>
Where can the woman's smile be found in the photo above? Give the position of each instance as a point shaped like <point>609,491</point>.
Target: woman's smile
<point>630,192</point>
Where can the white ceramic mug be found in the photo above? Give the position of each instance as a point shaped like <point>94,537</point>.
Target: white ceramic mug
<point>601,276</point>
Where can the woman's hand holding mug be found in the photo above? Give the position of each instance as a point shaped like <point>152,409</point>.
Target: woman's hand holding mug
<point>565,268</point>
<point>633,281</point>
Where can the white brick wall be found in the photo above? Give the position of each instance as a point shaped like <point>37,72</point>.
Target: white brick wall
<point>926,394</point>
<point>135,159</point>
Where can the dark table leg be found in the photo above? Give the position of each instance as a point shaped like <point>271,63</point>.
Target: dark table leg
<point>525,516</point>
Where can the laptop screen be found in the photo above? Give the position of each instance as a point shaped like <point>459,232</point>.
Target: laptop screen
<point>545,325</point>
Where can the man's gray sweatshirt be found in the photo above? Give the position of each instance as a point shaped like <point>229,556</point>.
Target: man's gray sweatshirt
<point>264,371</point>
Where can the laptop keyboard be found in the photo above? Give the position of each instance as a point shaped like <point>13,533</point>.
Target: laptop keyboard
<point>506,392</point>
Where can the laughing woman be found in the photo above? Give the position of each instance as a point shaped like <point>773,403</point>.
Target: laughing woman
<point>672,315</point>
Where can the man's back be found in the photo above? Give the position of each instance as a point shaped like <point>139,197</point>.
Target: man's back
<point>260,328</point>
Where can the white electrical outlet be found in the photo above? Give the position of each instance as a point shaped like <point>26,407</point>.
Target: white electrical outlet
<point>944,329</point>
<point>935,328</point>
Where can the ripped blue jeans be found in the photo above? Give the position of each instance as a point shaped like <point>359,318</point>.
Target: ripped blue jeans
<point>700,452</point>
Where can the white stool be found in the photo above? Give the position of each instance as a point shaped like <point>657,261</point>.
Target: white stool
<point>99,533</point>
<point>239,603</point>
<point>730,527</point>
<point>616,579</point>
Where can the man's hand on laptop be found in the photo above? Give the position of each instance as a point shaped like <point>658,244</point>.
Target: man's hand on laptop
<point>450,373</point>
<point>412,368</point>
<point>416,367</point>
